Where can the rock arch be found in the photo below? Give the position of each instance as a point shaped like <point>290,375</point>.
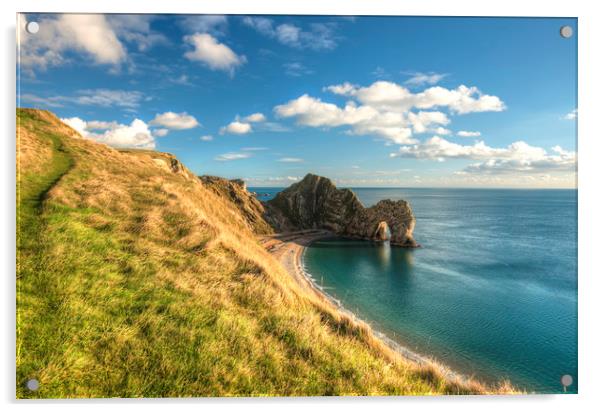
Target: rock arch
<point>382,233</point>
<point>397,216</point>
<point>316,203</point>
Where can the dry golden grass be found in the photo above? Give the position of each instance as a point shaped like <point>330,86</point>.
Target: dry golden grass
<point>142,281</point>
<point>32,155</point>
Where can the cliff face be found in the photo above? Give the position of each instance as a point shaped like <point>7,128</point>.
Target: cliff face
<point>313,203</point>
<point>251,209</point>
<point>316,203</point>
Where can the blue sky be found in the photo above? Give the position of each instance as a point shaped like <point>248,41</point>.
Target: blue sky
<point>367,101</point>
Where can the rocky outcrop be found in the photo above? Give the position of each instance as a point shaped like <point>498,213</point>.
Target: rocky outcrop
<point>316,203</point>
<point>394,218</point>
<point>251,209</point>
<point>166,161</point>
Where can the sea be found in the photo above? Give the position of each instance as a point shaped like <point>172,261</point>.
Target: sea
<point>491,292</point>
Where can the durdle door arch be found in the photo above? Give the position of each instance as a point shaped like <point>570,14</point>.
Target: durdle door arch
<point>382,233</point>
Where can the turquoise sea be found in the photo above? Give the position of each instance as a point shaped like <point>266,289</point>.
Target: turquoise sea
<point>492,292</point>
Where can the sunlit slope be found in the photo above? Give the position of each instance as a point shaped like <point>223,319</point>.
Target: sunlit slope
<point>134,279</point>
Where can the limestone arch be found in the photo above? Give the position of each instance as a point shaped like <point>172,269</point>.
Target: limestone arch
<point>382,232</point>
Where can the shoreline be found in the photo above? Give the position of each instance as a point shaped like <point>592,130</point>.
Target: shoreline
<point>289,248</point>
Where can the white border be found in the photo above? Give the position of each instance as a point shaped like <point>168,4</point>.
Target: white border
<point>590,206</point>
<point>347,7</point>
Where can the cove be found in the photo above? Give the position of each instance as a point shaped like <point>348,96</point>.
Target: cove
<point>492,292</point>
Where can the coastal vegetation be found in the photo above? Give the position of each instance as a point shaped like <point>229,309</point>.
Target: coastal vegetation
<point>135,278</point>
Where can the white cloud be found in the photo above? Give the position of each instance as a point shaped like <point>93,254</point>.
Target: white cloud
<point>390,172</point>
<point>465,133</point>
<point>77,124</point>
<point>380,73</point>
<point>296,69</point>
<point>254,118</point>
<point>422,122</point>
<point>310,111</point>
<point>215,55</point>
<point>52,101</point>
<point>290,160</point>
<point>242,126</point>
<point>254,149</point>
<point>462,180</point>
<point>275,127</point>
<point>263,25</point>
<point>136,135</point>
<point>161,132</point>
<point>321,36</point>
<point>175,121</point>
<point>364,120</point>
<point>420,79</point>
<point>572,115</point>
<point>95,97</point>
<point>183,79</point>
<point>392,96</point>
<point>517,157</point>
<point>136,29</point>
<point>388,110</point>
<point>215,24</point>
<point>236,127</point>
<point>461,100</point>
<point>271,180</point>
<point>109,98</point>
<point>442,131</point>
<point>550,164</point>
<point>437,148</point>
<point>232,156</point>
<point>101,125</point>
<point>344,89</point>
<point>207,138</point>
<point>522,158</point>
<point>288,34</point>
<point>89,34</point>
<point>318,36</point>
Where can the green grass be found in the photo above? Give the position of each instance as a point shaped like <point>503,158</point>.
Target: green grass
<point>136,282</point>
<point>32,282</point>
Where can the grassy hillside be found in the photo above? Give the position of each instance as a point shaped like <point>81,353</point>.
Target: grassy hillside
<point>135,279</point>
<point>251,209</point>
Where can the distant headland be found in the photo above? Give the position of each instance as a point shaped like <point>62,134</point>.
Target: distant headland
<point>316,203</point>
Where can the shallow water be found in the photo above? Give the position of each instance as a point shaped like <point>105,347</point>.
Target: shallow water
<point>492,292</point>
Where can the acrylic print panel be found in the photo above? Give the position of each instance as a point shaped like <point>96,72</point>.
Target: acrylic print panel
<point>295,206</point>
